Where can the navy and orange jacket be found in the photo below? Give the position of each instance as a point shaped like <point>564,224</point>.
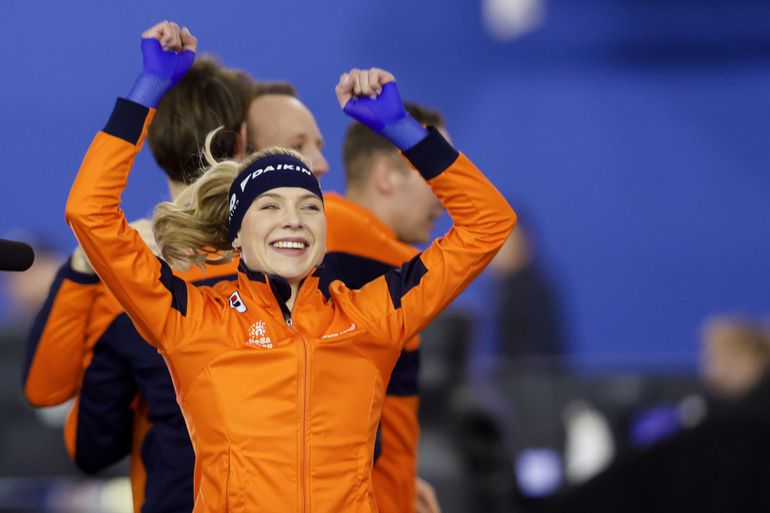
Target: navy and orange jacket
<point>282,407</point>
<point>83,345</point>
<point>359,249</point>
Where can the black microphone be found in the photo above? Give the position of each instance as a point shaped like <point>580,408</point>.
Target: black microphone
<point>15,256</point>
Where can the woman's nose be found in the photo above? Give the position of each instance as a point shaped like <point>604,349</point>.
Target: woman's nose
<point>292,219</point>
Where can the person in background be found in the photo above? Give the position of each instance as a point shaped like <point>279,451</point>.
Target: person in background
<point>277,117</point>
<point>25,292</point>
<point>735,356</point>
<point>27,437</point>
<point>720,464</point>
<point>528,321</point>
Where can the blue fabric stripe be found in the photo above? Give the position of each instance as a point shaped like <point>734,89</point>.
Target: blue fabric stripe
<point>400,281</point>
<point>354,271</point>
<point>127,120</point>
<point>404,381</point>
<point>432,155</point>
<point>105,418</point>
<point>378,443</point>
<point>208,282</point>
<point>176,286</point>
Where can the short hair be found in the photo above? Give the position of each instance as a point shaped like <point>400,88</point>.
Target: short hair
<point>361,145</point>
<point>743,334</point>
<point>207,97</point>
<point>264,88</point>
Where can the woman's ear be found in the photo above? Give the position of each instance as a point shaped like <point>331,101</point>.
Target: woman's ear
<point>240,146</point>
<point>236,244</point>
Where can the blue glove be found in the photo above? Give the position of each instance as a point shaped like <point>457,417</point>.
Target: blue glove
<point>386,116</point>
<point>161,71</point>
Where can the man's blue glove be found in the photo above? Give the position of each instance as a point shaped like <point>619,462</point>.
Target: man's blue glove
<point>386,115</point>
<point>161,71</point>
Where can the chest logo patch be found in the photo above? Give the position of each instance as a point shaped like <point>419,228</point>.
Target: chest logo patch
<point>237,303</point>
<point>258,335</point>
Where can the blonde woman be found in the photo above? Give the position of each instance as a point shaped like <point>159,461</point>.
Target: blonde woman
<point>281,387</point>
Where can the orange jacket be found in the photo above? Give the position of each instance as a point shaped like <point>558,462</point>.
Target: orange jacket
<point>75,315</point>
<point>82,345</point>
<point>282,408</point>
<point>360,248</point>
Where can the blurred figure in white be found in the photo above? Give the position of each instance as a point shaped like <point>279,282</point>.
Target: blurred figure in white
<point>511,19</point>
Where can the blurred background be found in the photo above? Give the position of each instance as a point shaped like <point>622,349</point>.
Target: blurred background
<point>631,135</point>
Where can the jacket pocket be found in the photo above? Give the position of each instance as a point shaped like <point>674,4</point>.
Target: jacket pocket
<point>236,496</point>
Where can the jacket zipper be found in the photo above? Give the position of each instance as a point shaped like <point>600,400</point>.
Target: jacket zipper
<point>304,500</point>
<point>303,427</point>
<point>303,467</point>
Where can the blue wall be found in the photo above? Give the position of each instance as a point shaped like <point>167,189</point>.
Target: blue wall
<point>633,132</point>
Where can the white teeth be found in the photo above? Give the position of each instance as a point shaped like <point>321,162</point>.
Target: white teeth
<point>288,244</point>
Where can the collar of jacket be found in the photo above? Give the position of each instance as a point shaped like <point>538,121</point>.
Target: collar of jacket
<point>260,286</point>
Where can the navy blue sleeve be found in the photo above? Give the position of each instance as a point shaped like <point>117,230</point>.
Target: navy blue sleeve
<point>353,270</point>
<point>105,418</point>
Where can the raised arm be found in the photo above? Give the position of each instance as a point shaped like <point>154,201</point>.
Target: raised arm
<point>145,286</point>
<point>402,302</point>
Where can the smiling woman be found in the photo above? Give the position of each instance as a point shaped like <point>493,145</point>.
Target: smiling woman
<point>281,385</point>
<point>284,233</point>
<point>274,219</point>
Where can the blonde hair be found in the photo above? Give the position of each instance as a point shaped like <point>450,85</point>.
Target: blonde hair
<point>193,229</point>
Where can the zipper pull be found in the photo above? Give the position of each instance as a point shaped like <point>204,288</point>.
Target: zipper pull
<point>289,322</point>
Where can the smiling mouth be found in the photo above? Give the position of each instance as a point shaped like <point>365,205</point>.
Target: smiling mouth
<point>290,246</point>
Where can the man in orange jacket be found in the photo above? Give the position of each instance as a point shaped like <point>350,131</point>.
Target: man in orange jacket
<point>386,208</point>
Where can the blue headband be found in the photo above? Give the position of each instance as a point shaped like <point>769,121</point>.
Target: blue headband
<point>262,175</point>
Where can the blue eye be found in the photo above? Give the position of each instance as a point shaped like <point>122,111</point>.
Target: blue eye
<point>314,208</point>
<point>268,206</point>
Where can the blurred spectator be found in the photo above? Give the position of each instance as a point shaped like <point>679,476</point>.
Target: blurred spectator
<point>720,465</point>
<point>508,444</point>
<point>30,441</point>
<point>735,354</point>
<point>26,291</point>
<point>527,315</point>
